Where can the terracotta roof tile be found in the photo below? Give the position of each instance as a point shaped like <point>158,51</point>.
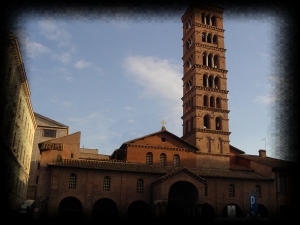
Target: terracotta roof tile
<point>229,173</point>
<point>164,171</point>
<point>275,163</point>
<point>111,165</point>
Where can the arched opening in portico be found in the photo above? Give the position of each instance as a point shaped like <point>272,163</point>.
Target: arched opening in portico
<point>183,201</point>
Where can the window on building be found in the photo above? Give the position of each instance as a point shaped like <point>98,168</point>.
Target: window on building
<point>282,184</point>
<point>163,159</point>
<point>72,181</point>
<point>37,179</point>
<point>140,186</point>
<point>38,166</point>
<point>176,160</point>
<point>106,183</point>
<point>258,191</point>
<point>205,190</point>
<point>149,158</point>
<point>231,190</point>
<point>49,133</point>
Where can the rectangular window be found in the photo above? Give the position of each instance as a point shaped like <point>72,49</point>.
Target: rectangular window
<point>49,133</point>
<point>37,179</point>
<point>282,183</point>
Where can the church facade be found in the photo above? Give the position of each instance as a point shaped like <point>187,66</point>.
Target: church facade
<point>163,176</point>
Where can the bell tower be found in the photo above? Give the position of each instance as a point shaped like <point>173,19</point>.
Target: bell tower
<point>205,102</point>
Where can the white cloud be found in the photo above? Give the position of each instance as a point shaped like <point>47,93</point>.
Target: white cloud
<point>34,49</point>
<point>64,57</point>
<point>265,99</point>
<point>158,77</point>
<point>82,64</point>
<point>54,32</point>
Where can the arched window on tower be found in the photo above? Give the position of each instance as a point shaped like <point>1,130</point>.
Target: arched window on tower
<point>203,17</point>
<point>218,123</point>
<point>203,37</point>
<point>218,102</point>
<point>205,80</point>
<point>211,81</point>
<point>204,59</point>
<point>213,21</point>
<point>216,62</point>
<point>215,39</point>
<point>206,121</point>
<point>210,57</point>
<point>163,159</point>
<point>205,100</point>
<point>212,101</point>
<point>149,158</point>
<point>209,38</point>
<point>208,20</point>
<point>217,82</point>
<point>176,160</point>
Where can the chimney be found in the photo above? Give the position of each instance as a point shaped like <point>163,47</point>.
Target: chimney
<point>262,153</point>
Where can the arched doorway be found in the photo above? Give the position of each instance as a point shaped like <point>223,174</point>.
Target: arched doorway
<point>232,211</point>
<point>207,212</point>
<point>262,211</point>
<point>70,208</point>
<point>139,210</point>
<point>105,208</point>
<point>182,201</point>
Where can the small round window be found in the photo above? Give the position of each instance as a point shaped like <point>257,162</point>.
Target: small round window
<point>163,139</point>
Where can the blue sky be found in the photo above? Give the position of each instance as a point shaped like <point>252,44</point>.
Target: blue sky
<point>116,78</point>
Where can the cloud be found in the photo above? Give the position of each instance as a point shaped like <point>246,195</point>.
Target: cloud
<point>64,57</point>
<point>82,64</point>
<point>129,108</point>
<point>34,49</point>
<point>52,31</point>
<point>158,77</point>
<point>265,99</point>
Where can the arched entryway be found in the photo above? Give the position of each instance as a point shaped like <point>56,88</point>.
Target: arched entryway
<point>139,210</point>
<point>182,201</point>
<point>207,212</point>
<point>262,211</point>
<point>232,211</point>
<point>70,208</point>
<point>105,208</point>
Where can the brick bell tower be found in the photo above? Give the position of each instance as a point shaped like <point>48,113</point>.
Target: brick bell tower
<point>205,103</point>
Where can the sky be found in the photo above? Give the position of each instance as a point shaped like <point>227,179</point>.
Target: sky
<point>115,78</point>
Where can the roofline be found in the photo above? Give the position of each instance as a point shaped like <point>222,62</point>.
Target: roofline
<point>51,120</point>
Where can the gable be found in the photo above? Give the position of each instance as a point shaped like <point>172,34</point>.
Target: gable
<point>162,139</point>
<point>43,121</point>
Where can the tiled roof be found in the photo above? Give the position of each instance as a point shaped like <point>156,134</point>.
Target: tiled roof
<point>228,173</point>
<point>111,165</point>
<point>275,163</point>
<point>164,171</point>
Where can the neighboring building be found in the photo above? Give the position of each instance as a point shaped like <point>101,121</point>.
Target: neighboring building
<point>17,127</point>
<point>163,176</point>
<point>46,129</point>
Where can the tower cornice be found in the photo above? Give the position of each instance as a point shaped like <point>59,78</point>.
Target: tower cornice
<point>220,132</point>
<point>209,27</point>
<point>204,108</point>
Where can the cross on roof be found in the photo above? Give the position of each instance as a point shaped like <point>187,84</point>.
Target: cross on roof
<point>163,123</point>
